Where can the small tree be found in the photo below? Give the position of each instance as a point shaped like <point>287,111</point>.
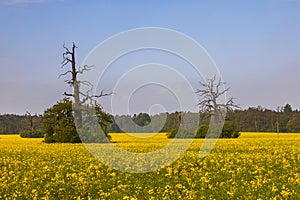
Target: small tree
<point>59,123</point>
<point>287,108</point>
<point>229,130</point>
<point>201,131</point>
<point>142,119</point>
<point>293,124</point>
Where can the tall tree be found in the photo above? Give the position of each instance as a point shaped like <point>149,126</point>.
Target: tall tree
<point>80,98</point>
<point>68,119</point>
<point>210,95</point>
<point>210,105</point>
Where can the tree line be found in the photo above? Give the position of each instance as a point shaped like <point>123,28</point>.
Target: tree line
<point>260,119</point>
<point>15,124</point>
<point>253,119</point>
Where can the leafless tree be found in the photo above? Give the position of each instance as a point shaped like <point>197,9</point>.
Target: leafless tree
<point>210,96</point>
<point>80,98</point>
<point>30,119</point>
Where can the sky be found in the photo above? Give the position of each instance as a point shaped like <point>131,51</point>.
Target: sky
<point>254,44</point>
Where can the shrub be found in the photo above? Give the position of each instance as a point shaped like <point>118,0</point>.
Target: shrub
<point>59,123</point>
<point>32,134</point>
<point>180,133</point>
<point>60,127</point>
<point>201,131</point>
<point>172,133</point>
<point>230,130</point>
<point>48,138</point>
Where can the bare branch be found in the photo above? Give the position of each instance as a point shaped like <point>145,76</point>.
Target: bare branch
<point>230,104</point>
<point>68,94</point>
<point>102,94</point>
<point>74,46</point>
<point>66,48</point>
<point>70,82</point>
<point>210,93</point>
<point>63,74</point>
<point>85,68</point>
<point>65,61</point>
<point>223,92</point>
<point>87,83</point>
<point>81,99</point>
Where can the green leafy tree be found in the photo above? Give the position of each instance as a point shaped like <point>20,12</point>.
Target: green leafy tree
<point>293,124</point>
<point>96,125</point>
<point>230,130</point>
<point>201,131</point>
<point>180,134</point>
<point>287,108</point>
<point>142,119</point>
<point>172,123</point>
<point>1,128</point>
<point>105,120</point>
<point>59,123</point>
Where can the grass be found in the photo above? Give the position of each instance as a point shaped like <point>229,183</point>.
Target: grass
<point>254,166</point>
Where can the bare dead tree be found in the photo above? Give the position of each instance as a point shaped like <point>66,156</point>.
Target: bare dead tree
<point>80,98</point>
<point>210,97</point>
<point>30,118</point>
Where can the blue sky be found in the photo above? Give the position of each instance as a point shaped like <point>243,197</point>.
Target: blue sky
<point>255,44</point>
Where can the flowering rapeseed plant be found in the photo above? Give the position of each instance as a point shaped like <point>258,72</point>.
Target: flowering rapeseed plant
<point>254,166</point>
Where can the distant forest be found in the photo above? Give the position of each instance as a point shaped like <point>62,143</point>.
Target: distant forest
<point>13,124</point>
<point>257,119</point>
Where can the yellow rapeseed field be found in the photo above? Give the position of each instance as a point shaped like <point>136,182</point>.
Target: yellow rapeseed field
<point>254,166</point>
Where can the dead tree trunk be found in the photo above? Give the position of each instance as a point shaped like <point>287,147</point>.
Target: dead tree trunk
<point>69,57</point>
<point>210,93</point>
<point>30,118</point>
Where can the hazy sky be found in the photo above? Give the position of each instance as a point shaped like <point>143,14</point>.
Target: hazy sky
<point>255,44</point>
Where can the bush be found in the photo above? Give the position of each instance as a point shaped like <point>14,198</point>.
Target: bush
<point>180,134</point>
<point>93,134</point>
<point>59,124</point>
<point>201,131</point>
<point>229,131</point>
<point>172,133</point>
<point>32,134</point>
<point>48,138</point>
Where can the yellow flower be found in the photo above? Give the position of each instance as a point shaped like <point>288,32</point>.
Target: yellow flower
<point>151,191</point>
<point>274,188</point>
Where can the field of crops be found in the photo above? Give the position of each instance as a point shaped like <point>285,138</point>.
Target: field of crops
<point>254,166</point>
